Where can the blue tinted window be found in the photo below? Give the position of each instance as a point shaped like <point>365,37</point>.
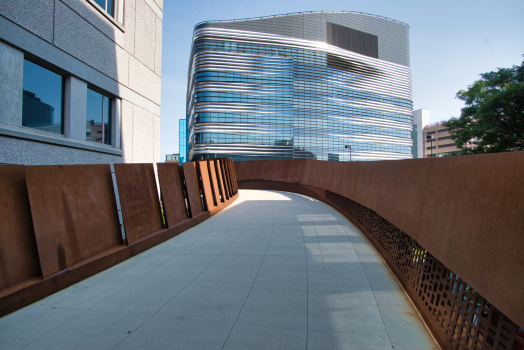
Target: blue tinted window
<point>107,5</point>
<point>98,117</point>
<point>42,98</point>
<point>107,120</point>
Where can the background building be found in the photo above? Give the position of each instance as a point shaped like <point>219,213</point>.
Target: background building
<point>80,81</point>
<point>438,142</point>
<point>421,118</point>
<point>182,140</point>
<point>175,157</point>
<point>310,85</point>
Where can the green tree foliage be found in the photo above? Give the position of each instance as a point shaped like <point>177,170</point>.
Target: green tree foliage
<point>494,113</point>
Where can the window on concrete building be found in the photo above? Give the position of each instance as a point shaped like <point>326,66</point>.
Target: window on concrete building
<point>98,117</point>
<point>43,98</point>
<point>107,5</point>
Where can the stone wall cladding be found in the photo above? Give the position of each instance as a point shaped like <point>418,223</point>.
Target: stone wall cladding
<point>145,35</point>
<point>160,3</point>
<point>85,10</point>
<point>36,16</point>
<point>127,131</point>
<point>15,151</point>
<point>143,80</point>
<point>11,68</point>
<point>393,36</point>
<point>130,21</point>
<point>129,54</point>
<point>158,46</point>
<point>95,48</point>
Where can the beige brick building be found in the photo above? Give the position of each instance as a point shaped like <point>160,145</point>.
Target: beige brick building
<point>442,143</point>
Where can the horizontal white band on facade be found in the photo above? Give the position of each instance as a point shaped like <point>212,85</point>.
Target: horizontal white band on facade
<point>387,84</point>
<point>300,93</point>
<point>375,138</point>
<point>206,126</point>
<point>391,71</point>
<point>244,149</point>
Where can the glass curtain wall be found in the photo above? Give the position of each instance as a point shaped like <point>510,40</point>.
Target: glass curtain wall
<point>264,96</point>
<point>182,140</point>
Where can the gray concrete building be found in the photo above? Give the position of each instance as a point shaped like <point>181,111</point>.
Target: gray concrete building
<point>421,118</point>
<point>80,81</point>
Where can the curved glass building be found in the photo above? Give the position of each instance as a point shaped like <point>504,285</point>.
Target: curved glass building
<point>312,85</point>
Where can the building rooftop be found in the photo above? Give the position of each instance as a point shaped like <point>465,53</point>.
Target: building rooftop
<point>299,13</point>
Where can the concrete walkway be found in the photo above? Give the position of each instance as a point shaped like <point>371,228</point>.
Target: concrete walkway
<point>273,271</point>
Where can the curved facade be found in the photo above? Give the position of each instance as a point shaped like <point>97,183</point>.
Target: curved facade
<point>313,85</point>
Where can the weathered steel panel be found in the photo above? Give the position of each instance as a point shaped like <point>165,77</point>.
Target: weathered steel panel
<point>349,179</point>
<point>241,168</point>
<point>473,221</point>
<point>232,175</point>
<point>172,191</point>
<point>229,177</point>
<point>220,180</point>
<point>214,182</point>
<point>206,184</point>
<point>74,213</point>
<point>224,178</point>
<point>368,183</point>
<point>139,200</point>
<point>193,189</point>
<point>18,254</point>
<point>403,193</point>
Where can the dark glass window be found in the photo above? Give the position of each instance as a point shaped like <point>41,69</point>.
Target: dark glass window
<point>107,5</point>
<point>98,117</point>
<point>352,40</point>
<point>42,98</point>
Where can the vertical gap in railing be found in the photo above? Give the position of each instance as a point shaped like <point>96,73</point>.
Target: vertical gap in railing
<point>118,207</point>
<point>200,187</point>
<point>184,191</point>
<point>162,211</point>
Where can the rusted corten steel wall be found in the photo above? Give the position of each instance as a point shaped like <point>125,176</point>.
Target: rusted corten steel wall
<point>467,211</point>
<point>227,176</point>
<point>74,213</point>
<point>193,188</point>
<point>214,182</point>
<point>60,223</point>
<point>139,200</point>
<point>206,184</point>
<point>172,189</point>
<point>220,180</point>
<point>18,256</point>
<point>224,178</point>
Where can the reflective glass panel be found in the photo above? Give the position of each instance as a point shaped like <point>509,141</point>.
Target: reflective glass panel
<point>98,117</point>
<point>102,3</point>
<point>107,120</point>
<point>94,116</point>
<point>110,7</point>
<point>42,98</point>
<point>107,5</point>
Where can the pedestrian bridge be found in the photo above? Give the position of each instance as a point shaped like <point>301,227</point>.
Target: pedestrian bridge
<point>274,270</point>
<point>169,256</point>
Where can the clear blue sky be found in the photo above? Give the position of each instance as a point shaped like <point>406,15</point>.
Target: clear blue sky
<point>451,43</point>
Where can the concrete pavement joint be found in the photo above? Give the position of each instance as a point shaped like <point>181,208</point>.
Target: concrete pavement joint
<point>272,230</point>
<point>214,228</point>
